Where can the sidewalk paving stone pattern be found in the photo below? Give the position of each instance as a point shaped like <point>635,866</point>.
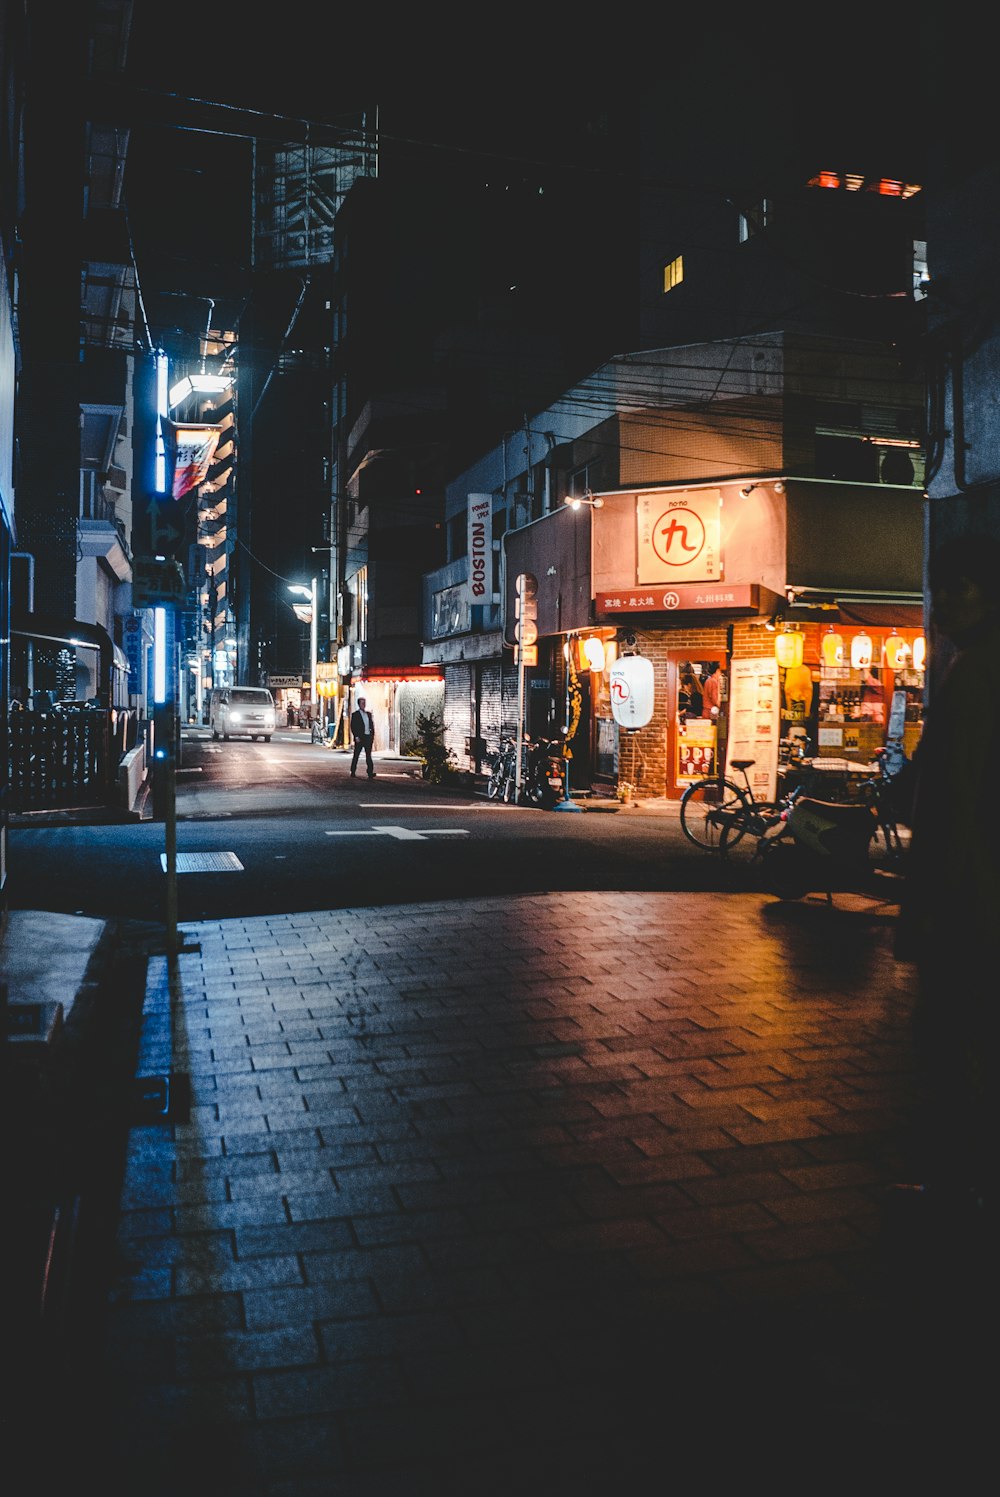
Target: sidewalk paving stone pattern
<point>564,1193</point>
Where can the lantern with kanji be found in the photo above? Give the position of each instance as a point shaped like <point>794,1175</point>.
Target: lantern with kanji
<point>897,652</point>
<point>861,652</point>
<point>788,647</point>
<point>832,648</point>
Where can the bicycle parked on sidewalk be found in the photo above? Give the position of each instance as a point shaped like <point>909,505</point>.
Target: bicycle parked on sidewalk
<point>826,845</point>
<point>717,813</point>
<point>501,784</point>
<point>542,772</point>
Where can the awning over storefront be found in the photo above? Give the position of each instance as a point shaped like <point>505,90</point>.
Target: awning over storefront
<point>732,599</point>
<point>874,615</point>
<point>401,673</point>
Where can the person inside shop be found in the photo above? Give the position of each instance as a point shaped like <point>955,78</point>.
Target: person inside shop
<point>363,732</point>
<point>689,694</point>
<point>711,688</point>
<point>871,703</point>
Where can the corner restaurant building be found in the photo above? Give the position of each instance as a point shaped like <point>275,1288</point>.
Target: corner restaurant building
<point>721,573</point>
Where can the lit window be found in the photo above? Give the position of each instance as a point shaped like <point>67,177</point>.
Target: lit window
<point>921,275</point>
<point>673,273</point>
<point>888,187</point>
<point>361,602</point>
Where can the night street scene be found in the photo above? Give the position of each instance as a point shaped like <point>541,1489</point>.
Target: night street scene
<point>500,690</point>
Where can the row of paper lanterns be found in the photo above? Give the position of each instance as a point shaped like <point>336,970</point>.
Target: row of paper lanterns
<point>897,652</point>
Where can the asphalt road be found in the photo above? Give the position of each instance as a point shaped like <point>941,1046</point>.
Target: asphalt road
<point>281,826</point>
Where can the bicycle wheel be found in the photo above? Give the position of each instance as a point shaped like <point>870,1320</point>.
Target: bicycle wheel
<point>741,840</point>
<point>498,773</point>
<point>710,807</point>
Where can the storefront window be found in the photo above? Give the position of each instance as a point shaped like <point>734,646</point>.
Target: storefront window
<point>701,697</point>
<point>843,711</point>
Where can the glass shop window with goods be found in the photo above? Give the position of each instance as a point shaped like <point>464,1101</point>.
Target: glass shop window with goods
<point>846,687</point>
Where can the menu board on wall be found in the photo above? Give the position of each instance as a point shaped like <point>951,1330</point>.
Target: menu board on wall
<point>754,722</point>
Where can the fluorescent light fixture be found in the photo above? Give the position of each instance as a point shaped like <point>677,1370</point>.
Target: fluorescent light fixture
<point>159,654</point>
<point>160,453</point>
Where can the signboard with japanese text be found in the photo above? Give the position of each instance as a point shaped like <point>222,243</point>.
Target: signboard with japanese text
<point>754,722</point>
<point>743,597</point>
<point>134,645</point>
<point>157,583</point>
<point>679,536</point>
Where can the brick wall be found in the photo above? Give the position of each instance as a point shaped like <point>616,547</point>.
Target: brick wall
<point>642,756</point>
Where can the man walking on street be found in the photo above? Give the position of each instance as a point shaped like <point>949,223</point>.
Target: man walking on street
<point>363,731</point>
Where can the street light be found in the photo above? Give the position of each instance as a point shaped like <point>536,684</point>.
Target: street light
<point>308,615</point>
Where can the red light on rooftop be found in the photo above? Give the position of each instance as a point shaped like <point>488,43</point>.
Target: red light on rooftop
<point>825,179</point>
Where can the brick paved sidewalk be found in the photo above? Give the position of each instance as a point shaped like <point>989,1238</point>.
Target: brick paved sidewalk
<point>564,1193</point>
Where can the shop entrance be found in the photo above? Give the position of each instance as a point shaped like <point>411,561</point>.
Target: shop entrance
<point>697,699</point>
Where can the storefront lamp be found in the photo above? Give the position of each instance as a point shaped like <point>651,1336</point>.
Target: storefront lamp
<point>833,648</point>
<point>593,650</point>
<point>919,652</point>
<point>861,652</point>
<point>788,648</point>
<point>897,652</point>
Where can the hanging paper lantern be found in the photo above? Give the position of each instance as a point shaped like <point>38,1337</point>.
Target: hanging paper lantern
<point>897,652</point>
<point>833,648</point>
<point>631,691</point>
<point>788,648</point>
<point>861,652</point>
<point>593,654</point>
<point>919,652</point>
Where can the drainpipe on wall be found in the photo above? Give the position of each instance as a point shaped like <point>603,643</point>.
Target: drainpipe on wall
<point>30,649</point>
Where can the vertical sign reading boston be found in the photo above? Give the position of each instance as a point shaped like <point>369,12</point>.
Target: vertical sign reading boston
<point>480,547</point>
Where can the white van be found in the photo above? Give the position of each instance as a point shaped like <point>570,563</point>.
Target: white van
<point>246,710</point>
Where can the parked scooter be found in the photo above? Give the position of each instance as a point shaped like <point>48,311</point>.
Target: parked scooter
<point>545,772</point>
<point>829,846</point>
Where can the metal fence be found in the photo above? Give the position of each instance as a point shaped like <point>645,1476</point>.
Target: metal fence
<point>65,758</point>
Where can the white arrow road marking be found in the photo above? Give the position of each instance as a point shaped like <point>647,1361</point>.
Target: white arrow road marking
<point>402,833</point>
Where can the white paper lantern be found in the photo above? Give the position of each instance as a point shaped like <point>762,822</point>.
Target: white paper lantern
<point>919,652</point>
<point>631,689</point>
<point>861,652</point>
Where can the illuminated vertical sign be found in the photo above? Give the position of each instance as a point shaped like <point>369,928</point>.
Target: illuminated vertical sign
<point>480,548</point>
<point>159,655</point>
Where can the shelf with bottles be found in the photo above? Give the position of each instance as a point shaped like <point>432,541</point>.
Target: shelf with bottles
<point>847,695</point>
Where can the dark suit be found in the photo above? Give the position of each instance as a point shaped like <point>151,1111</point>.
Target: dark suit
<point>363,732</point>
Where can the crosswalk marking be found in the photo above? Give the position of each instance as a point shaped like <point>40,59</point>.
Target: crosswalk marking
<point>402,833</point>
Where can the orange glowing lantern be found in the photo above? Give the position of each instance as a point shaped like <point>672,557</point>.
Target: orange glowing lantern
<point>919,652</point>
<point>897,652</point>
<point>788,648</point>
<point>833,648</point>
<point>861,652</point>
